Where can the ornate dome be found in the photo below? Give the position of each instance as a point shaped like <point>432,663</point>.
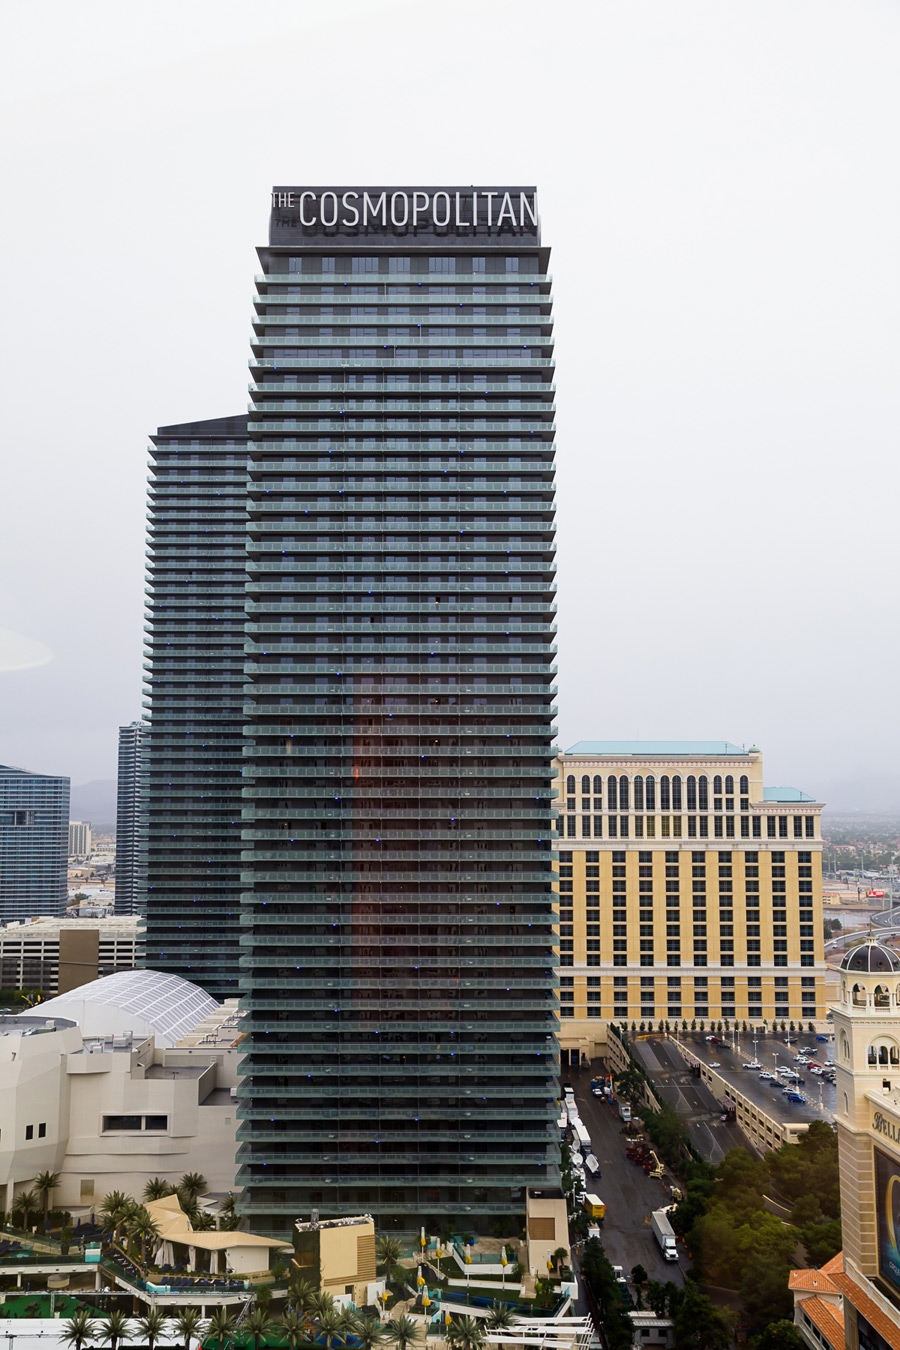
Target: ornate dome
<point>871,959</point>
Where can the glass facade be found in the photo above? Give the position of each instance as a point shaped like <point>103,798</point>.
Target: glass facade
<point>397,910</point>
<point>190,830</point>
<point>128,816</point>
<point>34,841</point>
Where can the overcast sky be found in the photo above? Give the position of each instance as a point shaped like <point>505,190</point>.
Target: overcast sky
<point>718,183</point>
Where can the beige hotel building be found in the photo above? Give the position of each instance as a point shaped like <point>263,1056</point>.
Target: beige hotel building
<point>687,890</point>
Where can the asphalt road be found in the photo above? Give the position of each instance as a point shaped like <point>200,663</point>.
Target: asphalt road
<point>673,1082</point>
<point>629,1194</point>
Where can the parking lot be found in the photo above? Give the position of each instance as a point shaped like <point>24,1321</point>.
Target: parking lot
<point>774,1056</point>
<point>629,1194</point>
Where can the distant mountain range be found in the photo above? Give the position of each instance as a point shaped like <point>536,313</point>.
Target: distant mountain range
<point>95,802</point>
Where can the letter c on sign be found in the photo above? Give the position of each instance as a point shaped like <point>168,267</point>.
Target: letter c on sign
<point>303,220</point>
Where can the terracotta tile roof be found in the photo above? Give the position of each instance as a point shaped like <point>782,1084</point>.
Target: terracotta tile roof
<point>816,1281</point>
<point>864,1303</point>
<point>834,1266</point>
<point>828,1318</point>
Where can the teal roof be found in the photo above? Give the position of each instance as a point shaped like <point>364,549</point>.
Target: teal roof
<point>786,794</point>
<point>655,748</point>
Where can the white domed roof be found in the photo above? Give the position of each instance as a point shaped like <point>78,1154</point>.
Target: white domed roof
<point>147,1002</point>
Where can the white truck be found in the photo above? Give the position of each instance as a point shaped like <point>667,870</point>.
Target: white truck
<point>581,1134</point>
<point>624,1111</point>
<point>662,1231</point>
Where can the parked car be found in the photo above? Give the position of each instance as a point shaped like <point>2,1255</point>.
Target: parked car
<point>753,1064</point>
<point>794,1097</point>
<point>713,1040</point>
<point>714,1064</point>
<point>765,1074</point>
<point>823,1038</point>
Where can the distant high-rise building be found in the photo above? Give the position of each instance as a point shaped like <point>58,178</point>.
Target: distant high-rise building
<point>79,838</point>
<point>34,838</point>
<point>128,816</point>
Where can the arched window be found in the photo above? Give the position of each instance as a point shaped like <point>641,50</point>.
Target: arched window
<point>717,785</point>
<point>676,793</point>
<point>664,797</point>
<point>884,1053</point>
<point>638,792</point>
<point>729,786</point>
<point>692,793</point>
<point>586,784</point>
<point>882,997</point>
<point>623,793</point>
<point>612,793</point>
<point>859,996</point>
<point>703,793</point>
<point>745,785</point>
<point>570,783</point>
<point>845,1046</point>
<point>650,791</point>
<point>598,785</point>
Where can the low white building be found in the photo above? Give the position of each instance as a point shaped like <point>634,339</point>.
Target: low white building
<point>124,1079</point>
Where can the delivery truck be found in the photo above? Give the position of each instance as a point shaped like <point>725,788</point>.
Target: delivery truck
<point>624,1111</point>
<point>662,1231</point>
<point>594,1206</point>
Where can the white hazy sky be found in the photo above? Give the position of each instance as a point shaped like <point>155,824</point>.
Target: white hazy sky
<point>718,182</point>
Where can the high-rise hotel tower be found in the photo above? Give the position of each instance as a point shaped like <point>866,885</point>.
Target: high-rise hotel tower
<point>396,911</point>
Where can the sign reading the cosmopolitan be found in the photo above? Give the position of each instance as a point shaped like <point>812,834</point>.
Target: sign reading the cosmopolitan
<point>473,216</point>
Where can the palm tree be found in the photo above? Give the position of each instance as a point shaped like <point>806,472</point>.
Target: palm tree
<point>78,1329</point>
<point>114,1327</point>
<point>115,1211</point>
<point>152,1326</point>
<point>302,1291</point>
<point>332,1326</point>
<point>221,1326</point>
<point>389,1253</point>
<point>500,1317</point>
<point>228,1215</point>
<point>559,1257</point>
<point>191,1185</point>
<point>26,1205</point>
<point>404,1332</point>
<point>293,1325</point>
<point>318,1304</point>
<point>348,1323</point>
<point>143,1227</point>
<point>466,1334</point>
<point>368,1331</point>
<point>258,1324</point>
<point>157,1189</point>
<point>190,1326</point>
<point>45,1185</point>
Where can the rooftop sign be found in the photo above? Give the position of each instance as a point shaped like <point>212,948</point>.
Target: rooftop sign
<point>473,216</point>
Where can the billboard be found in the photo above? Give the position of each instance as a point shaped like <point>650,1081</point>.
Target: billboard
<point>887,1207</point>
